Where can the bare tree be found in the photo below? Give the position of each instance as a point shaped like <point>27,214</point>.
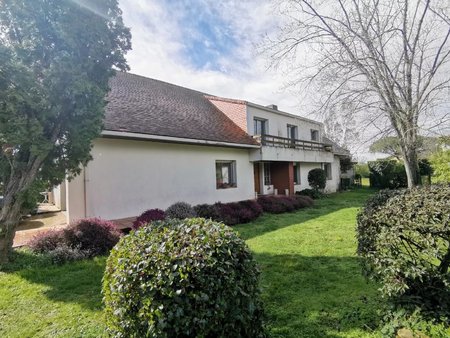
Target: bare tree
<point>389,59</point>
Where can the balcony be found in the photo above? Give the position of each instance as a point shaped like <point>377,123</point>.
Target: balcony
<point>277,148</point>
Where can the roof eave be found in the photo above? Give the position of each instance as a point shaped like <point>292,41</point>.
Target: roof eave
<point>171,139</point>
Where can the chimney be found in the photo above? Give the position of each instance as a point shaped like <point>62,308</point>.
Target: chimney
<point>272,106</point>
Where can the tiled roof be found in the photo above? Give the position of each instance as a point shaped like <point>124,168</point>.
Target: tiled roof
<point>141,105</point>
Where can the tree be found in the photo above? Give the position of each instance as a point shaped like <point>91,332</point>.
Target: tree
<point>391,145</point>
<point>440,162</point>
<point>317,179</point>
<point>387,60</point>
<point>56,59</point>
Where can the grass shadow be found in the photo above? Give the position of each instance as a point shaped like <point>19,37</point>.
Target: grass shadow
<point>76,282</point>
<point>317,296</point>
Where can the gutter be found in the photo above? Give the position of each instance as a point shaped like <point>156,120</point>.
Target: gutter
<point>170,139</point>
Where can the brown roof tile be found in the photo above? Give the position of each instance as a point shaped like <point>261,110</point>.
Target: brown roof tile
<point>141,105</point>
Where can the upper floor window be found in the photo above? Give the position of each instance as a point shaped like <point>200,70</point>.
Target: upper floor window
<point>314,135</point>
<point>226,174</point>
<point>292,132</point>
<point>260,126</point>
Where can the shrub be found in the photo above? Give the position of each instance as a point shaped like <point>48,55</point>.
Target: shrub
<point>47,241</point>
<point>280,204</point>
<point>387,174</point>
<point>85,238</point>
<point>64,253</point>
<point>180,210</point>
<point>314,194</point>
<point>182,278</point>
<point>404,240</point>
<point>317,178</point>
<point>252,205</point>
<point>149,216</point>
<point>94,236</point>
<point>207,211</point>
<point>304,201</point>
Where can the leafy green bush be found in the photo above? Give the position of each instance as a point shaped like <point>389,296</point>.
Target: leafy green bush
<point>317,178</point>
<point>387,174</point>
<point>404,240</point>
<point>182,278</point>
<point>180,210</point>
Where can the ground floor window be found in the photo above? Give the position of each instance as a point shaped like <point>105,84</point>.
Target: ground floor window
<point>226,174</point>
<point>327,168</point>
<point>267,174</point>
<point>296,173</point>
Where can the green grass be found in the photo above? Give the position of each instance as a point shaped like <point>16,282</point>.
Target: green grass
<point>311,280</point>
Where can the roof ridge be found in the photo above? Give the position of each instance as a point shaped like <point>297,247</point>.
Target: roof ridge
<point>224,99</point>
<point>164,82</point>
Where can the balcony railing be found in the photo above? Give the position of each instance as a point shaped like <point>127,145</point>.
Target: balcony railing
<point>285,142</point>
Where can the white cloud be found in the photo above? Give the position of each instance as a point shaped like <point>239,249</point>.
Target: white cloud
<point>159,46</point>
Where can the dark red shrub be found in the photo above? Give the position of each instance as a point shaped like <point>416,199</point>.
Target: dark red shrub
<point>47,241</point>
<point>149,216</point>
<point>228,213</point>
<point>253,206</point>
<point>93,235</point>
<point>271,204</point>
<point>304,201</point>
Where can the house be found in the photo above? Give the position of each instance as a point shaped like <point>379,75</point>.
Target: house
<point>163,143</point>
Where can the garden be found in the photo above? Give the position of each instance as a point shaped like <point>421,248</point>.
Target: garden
<point>311,283</point>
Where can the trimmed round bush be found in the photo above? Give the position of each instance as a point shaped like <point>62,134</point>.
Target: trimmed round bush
<point>314,194</point>
<point>180,210</point>
<point>182,278</point>
<point>317,178</point>
<point>304,201</point>
<point>207,211</point>
<point>404,240</point>
<point>148,217</point>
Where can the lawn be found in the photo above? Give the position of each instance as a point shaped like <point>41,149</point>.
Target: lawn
<point>311,280</point>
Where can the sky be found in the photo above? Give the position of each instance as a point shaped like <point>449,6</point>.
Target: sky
<point>208,45</point>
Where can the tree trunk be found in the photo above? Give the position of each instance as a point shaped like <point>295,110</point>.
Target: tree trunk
<point>9,218</point>
<point>411,166</point>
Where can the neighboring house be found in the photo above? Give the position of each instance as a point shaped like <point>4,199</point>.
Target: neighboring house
<point>163,143</point>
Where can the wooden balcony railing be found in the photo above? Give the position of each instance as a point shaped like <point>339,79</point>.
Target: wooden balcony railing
<point>285,142</point>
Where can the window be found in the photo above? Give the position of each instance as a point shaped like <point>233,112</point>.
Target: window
<point>296,173</point>
<point>314,135</point>
<point>327,168</point>
<point>292,132</point>
<point>267,175</point>
<point>260,126</point>
<point>225,174</point>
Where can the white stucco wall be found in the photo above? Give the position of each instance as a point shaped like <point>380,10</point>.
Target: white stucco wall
<point>127,177</point>
<point>332,185</point>
<point>277,123</point>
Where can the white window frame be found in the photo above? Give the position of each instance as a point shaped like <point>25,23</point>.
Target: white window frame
<point>315,132</point>
<point>232,174</point>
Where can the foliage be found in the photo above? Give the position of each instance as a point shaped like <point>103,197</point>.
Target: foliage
<point>207,211</point>
<point>346,164</point>
<point>362,169</point>
<point>317,178</point>
<point>404,240</point>
<point>85,238</point>
<point>154,287</point>
<point>148,217</point>
<point>180,210</point>
<point>280,204</point>
<point>238,212</point>
<point>440,162</point>
<point>93,235</point>
<point>387,174</point>
<point>57,57</point>
<point>425,168</point>
<point>391,145</point>
<point>47,241</point>
<point>312,193</point>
